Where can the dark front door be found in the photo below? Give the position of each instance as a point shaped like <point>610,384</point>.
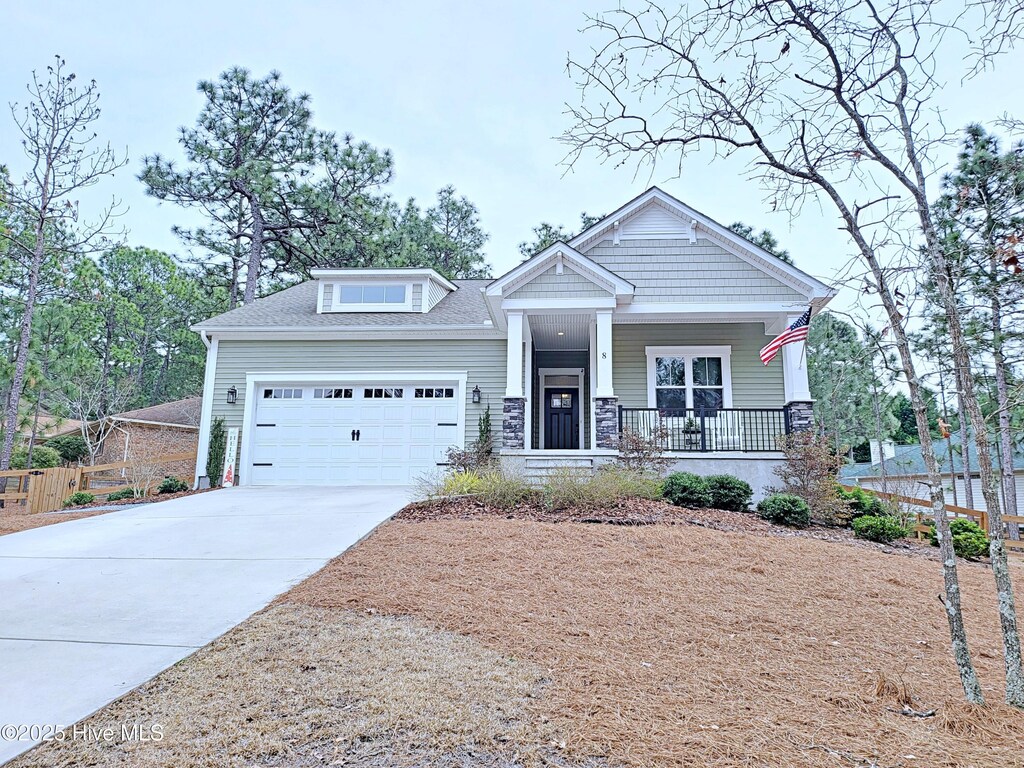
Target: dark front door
<point>561,419</point>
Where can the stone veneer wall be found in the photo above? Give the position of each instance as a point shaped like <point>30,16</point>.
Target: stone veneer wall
<point>606,413</point>
<point>801,416</point>
<point>513,423</point>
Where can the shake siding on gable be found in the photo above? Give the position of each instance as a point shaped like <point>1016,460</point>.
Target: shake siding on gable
<point>753,385</point>
<point>551,285</point>
<point>417,297</point>
<point>680,271</point>
<point>482,359</point>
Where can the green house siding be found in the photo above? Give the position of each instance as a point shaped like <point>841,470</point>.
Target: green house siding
<point>551,285</point>
<point>482,359</point>
<point>753,385</point>
<point>681,271</point>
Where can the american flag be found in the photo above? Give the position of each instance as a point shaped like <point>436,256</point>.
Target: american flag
<point>796,332</point>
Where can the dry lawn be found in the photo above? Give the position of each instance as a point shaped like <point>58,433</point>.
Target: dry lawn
<point>298,686</point>
<point>678,645</point>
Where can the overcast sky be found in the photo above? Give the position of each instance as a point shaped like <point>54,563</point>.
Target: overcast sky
<point>463,93</point>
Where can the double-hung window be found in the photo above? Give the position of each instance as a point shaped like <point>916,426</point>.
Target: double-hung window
<point>689,378</point>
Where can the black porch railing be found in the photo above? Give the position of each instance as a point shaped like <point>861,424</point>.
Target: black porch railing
<point>709,430</point>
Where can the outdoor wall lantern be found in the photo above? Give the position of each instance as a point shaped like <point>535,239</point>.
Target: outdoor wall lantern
<point>232,396</point>
<point>476,394</point>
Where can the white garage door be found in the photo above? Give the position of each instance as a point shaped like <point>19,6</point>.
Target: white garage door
<point>348,433</point>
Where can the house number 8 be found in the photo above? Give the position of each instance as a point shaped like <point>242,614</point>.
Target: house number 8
<point>604,355</point>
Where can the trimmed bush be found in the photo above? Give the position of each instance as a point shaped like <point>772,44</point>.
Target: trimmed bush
<point>42,458</point>
<point>969,540</point>
<point>685,489</point>
<point>729,492</point>
<point>884,529</point>
<point>785,509</point>
<point>124,493</point>
<point>172,485</point>
<point>78,499</point>
<point>862,503</point>
<point>71,448</point>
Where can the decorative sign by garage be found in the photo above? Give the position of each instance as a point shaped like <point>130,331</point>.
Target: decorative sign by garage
<point>229,457</point>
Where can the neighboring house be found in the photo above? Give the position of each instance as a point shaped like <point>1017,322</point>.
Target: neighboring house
<point>654,315</point>
<point>46,425</point>
<point>905,473</point>
<point>158,430</point>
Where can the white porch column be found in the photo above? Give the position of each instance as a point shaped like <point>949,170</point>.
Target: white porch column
<point>794,373</point>
<point>514,366</point>
<point>604,386</point>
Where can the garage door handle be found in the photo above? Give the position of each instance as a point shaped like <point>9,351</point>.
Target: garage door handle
<point>355,435</point>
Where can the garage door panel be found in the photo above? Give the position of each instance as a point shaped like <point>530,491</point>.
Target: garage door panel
<point>400,438</point>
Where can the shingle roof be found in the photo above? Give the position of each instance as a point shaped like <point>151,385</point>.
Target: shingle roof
<point>184,412</point>
<point>295,307</point>
<point>909,460</point>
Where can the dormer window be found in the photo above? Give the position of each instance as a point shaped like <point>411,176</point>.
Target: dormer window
<point>379,290</point>
<point>372,294</point>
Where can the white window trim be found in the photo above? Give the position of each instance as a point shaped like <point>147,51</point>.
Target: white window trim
<point>253,381</point>
<point>541,373</point>
<point>688,353</point>
<point>337,306</point>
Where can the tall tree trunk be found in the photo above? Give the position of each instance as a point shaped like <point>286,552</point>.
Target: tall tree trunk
<point>965,451</point>
<point>951,581</point>
<point>252,269</point>
<point>21,357</point>
<point>989,478</point>
<point>1009,481</point>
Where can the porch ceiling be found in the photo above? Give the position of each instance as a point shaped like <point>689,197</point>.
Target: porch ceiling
<point>560,332</point>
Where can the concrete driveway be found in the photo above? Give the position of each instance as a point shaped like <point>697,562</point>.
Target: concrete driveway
<point>89,609</point>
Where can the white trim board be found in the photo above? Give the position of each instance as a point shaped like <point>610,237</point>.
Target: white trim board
<point>299,378</point>
<point>206,409</point>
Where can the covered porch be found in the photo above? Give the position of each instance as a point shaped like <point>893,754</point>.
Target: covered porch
<point>575,380</point>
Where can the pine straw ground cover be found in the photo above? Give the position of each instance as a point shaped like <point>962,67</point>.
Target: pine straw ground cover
<point>684,646</point>
<point>299,686</point>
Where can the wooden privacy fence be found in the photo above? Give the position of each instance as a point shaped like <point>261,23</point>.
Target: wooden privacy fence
<point>977,515</point>
<point>44,490</point>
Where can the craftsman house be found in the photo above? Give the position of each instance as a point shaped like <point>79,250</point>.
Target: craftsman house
<point>653,317</point>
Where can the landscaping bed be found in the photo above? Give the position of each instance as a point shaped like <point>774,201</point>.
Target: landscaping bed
<point>647,512</point>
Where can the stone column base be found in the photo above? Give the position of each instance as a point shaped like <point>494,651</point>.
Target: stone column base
<point>606,421</point>
<point>513,423</point>
<point>800,416</point>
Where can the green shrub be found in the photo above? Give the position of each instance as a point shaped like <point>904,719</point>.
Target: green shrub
<point>862,503</point>
<point>172,485</point>
<point>217,451</point>
<point>969,539</point>
<point>785,509</point>
<point>124,493</point>
<point>884,529</point>
<point>685,489</point>
<point>460,483</point>
<point>729,492</point>
<point>78,499</point>
<point>42,458</point>
<point>71,448</point>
